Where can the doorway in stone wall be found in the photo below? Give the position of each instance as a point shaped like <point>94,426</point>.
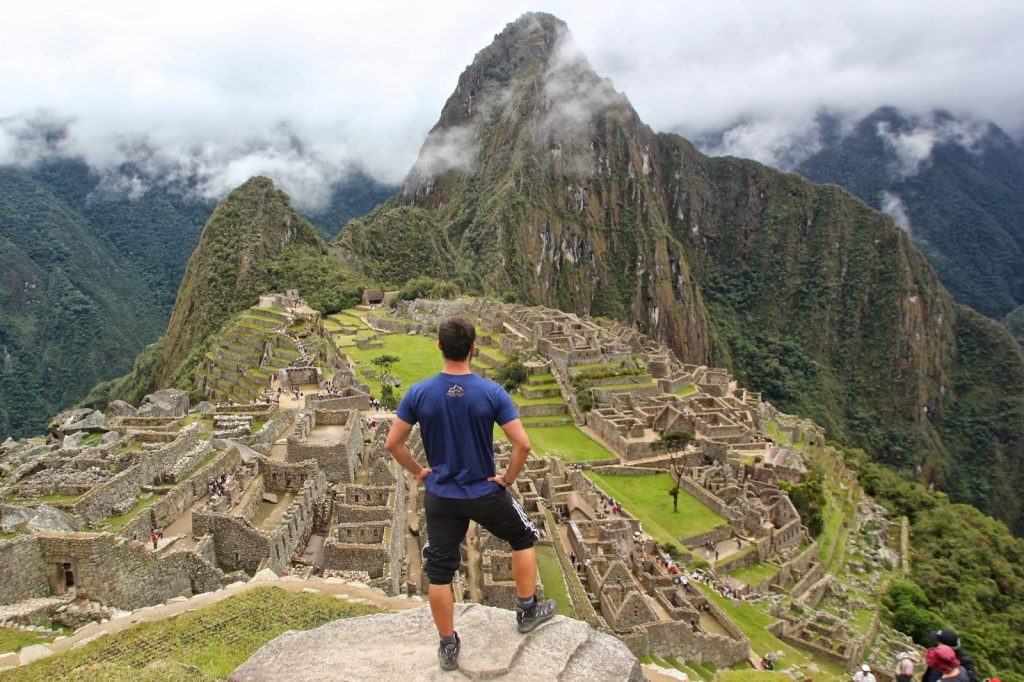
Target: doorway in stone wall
<point>69,576</point>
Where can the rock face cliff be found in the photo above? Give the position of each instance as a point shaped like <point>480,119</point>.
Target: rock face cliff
<point>540,181</point>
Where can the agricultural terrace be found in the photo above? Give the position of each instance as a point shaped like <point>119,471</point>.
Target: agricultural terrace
<point>646,497</point>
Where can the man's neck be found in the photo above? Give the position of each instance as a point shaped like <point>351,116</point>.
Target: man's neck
<point>456,367</point>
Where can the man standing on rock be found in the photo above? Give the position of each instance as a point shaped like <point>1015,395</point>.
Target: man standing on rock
<point>456,411</point>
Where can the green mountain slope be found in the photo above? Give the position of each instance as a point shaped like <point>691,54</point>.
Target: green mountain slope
<point>70,313</point>
<point>253,243</point>
<point>549,187</point>
<point>963,201</point>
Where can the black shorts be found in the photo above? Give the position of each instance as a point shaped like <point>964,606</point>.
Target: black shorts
<point>448,519</point>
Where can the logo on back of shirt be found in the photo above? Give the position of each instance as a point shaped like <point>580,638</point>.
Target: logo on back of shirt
<point>456,391</point>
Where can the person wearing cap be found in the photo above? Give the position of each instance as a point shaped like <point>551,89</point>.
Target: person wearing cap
<point>942,659</point>
<point>864,674</point>
<point>949,638</point>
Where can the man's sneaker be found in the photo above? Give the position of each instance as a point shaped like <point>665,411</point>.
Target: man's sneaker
<point>449,654</point>
<point>530,619</point>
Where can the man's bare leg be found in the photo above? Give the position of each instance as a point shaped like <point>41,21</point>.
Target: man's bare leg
<point>442,607</point>
<point>524,572</point>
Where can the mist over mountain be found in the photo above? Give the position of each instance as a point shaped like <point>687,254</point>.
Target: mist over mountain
<point>954,184</point>
<point>138,215</point>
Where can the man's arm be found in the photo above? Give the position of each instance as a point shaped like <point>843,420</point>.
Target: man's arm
<point>395,444</point>
<point>516,435</point>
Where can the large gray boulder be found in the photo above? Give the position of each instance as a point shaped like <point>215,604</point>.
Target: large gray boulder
<point>120,408</point>
<point>403,647</point>
<point>66,419</point>
<point>167,402</point>
<point>92,422</point>
<point>36,519</point>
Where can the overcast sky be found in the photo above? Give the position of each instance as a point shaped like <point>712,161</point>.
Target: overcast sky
<point>365,81</point>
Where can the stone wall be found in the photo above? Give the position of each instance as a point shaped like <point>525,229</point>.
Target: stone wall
<point>99,502</point>
<point>181,497</point>
<point>286,476</point>
<point>238,546</point>
<point>23,570</point>
<point>675,638</point>
<point>123,574</point>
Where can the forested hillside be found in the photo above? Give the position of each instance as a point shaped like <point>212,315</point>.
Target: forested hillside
<point>956,186</point>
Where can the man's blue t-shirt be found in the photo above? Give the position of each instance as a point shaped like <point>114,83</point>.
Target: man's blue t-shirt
<point>456,414</point>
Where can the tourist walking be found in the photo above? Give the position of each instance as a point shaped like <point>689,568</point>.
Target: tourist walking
<point>153,538</point>
<point>456,411</point>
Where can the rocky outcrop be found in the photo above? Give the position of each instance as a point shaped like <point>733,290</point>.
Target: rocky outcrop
<point>169,402</point>
<point>403,646</point>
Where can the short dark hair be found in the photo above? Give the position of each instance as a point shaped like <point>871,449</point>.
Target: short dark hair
<point>456,335</point>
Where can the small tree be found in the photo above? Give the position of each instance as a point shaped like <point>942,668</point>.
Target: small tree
<point>384,363</point>
<point>674,492</point>
<point>511,375</point>
<point>389,397</point>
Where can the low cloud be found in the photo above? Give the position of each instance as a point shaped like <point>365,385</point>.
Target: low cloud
<point>913,147</point>
<point>362,84</point>
<point>780,143</point>
<point>129,167</point>
<point>892,205</point>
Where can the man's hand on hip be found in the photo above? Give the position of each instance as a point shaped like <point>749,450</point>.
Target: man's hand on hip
<point>500,480</point>
<point>421,477</point>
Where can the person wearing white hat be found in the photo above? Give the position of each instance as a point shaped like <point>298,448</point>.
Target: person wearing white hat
<point>864,674</point>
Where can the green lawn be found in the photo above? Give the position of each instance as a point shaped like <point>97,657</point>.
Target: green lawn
<point>565,442</point>
<point>755,574</point>
<point>418,358</point>
<point>751,676</point>
<point>521,400</point>
<point>115,523</point>
<point>216,639</point>
<point>754,623</point>
<point>686,390</point>
<point>12,639</point>
<point>553,580</point>
<point>647,498</point>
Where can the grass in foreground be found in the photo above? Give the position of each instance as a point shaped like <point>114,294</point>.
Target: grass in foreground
<point>553,580</point>
<point>12,639</point>
<point>215,640</point>
<point>647,498</point>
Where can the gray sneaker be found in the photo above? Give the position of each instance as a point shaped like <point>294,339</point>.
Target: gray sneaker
<point>449,654</point>
<point>541,612</point>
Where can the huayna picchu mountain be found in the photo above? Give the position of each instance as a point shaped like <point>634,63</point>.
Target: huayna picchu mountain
<point>253,242</point>
<point>540,181</point>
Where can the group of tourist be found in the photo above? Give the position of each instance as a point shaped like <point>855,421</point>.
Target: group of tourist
<point>217,487</point>
<point>609,505</point>
<point>944,662</point>
<point>712,548</point>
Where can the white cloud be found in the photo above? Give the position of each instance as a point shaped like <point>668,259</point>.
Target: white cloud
<point>365,82</point>
<point>914,147</point>
<point>893,206</point>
